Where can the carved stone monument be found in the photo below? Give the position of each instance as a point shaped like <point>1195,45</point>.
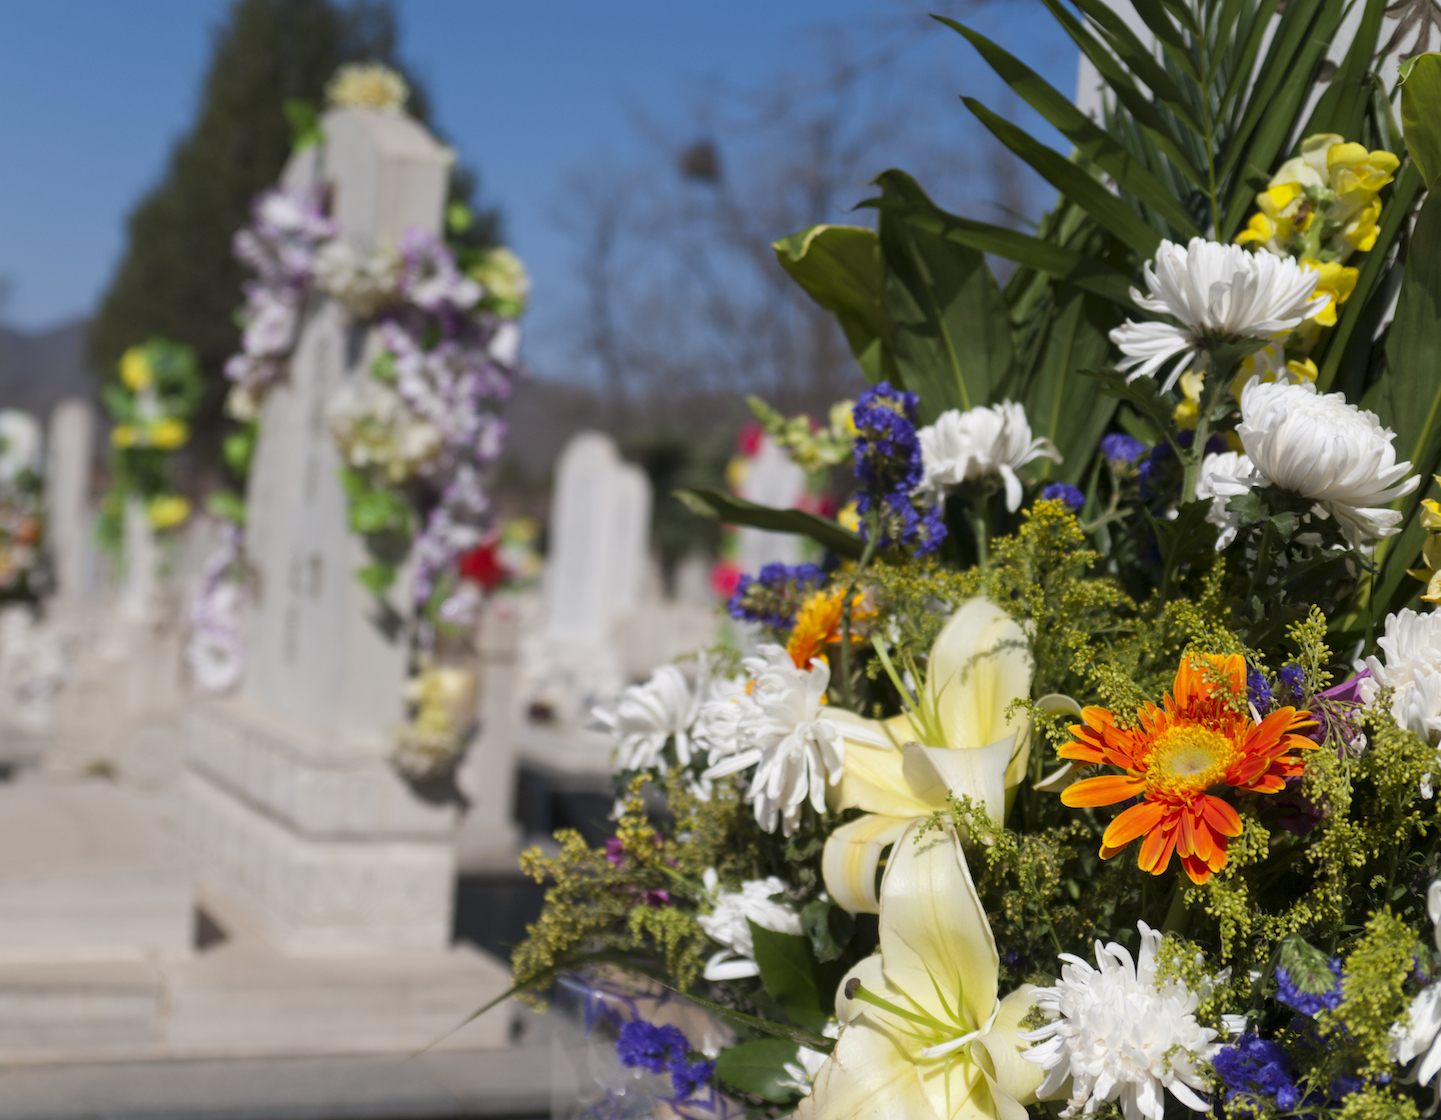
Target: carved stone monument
<point>302,827</point>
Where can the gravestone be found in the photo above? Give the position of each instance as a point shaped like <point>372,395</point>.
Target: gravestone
<point>304,831</point>
<point>772,480</point>
<point>69,525</point>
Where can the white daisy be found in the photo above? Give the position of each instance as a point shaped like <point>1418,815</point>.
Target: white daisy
<point>648,715</point>
<point>728,923</point>
<point>983,442</point>
<point>785,735</point>
<point>1118,1036</point>
<point>1420,1034</point>
<point>1322,448</point>
<point>1225,475</point>
<point>1217,292</point>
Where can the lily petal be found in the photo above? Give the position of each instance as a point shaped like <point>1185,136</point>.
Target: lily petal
<point>851,855</point>
<point>980,663</point>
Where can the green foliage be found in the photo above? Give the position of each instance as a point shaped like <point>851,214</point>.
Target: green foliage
<point>739,511</point>
<point>1421,114</point>
<point>759,1068</point>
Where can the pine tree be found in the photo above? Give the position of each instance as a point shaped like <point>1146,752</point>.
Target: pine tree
<point>177,277</point>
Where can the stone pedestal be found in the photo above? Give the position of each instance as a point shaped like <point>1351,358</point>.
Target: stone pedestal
<point>488,839</point>
<point>291,804</point>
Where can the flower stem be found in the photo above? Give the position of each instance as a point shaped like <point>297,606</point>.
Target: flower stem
<point>1178,915</point>
<point>873,525</point>
<point>976,515</point>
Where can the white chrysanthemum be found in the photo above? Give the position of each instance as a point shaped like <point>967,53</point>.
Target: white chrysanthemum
<point>1316,445</point>
<point>982,442</point>
<point>785,735</point>
<point>648,715</point>
<point>717,725</point>
<point>19,444</point>
<point>368,85</point>
<point>1217,292</point>
<point>728,923</point>
<point>1420,1034</point>
<point>374,427</point>
<point>1224,475</point>
<point>1412,669</point>
<point>363,285</point>
<point>1118,1036</point>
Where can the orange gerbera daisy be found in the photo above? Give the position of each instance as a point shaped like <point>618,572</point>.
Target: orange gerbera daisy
<point>1202,739</point>
<point>818,624</point>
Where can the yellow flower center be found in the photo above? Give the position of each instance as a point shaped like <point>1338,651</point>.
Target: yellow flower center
<point>1188,759</point>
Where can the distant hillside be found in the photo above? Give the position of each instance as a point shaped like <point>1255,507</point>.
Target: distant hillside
<point>37,370</point>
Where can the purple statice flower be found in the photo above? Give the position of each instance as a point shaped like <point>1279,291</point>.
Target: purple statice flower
<point>429,278</point>
<point>774,596</point>
<point>652,1047</point>
<point>1064,492</point>
<point>1258,689</point>
<point>615,851</point>
<point>1121,449</point>
<point>687,1077</point>
<point>656,899</point>
<point>888,465</point>
<point>1309,1003</point>
<point>215,653</point>
<point>1255,1072</point>
<point>1294,678</point>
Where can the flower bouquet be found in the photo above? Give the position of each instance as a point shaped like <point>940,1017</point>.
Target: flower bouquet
<point>1091,773</point>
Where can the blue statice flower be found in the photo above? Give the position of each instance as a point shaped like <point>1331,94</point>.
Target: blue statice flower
<point>1064,492</point>
<point>774,596</point>
<point>1294,679</point>
<point>1309,1003</point>
<point>1162,468</point>
<point>649,1046</point>
<point>1256,1071</point>
<point>660,1049</point>
<point>1121,449</point>
<point>888,465</point>
<point>687,1077</point>
<point>1258,689</point>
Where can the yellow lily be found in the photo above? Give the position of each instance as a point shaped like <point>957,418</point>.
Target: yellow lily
<point>923,1034</point>
<point>956,737</point>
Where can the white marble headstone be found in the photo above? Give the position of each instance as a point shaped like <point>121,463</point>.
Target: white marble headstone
<point>69,527</point>
<point>771,480</point>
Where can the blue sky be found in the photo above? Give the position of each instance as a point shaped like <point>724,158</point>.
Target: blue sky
<point>530,93</point>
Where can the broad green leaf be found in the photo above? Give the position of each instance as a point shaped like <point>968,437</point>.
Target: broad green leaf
<point>1072,181</point>
<point>950,330</point>
<point>1141,394</point>
<point>1421,114</point>
<point>1061,402</point>
<point>376,578</point>
<point>1105,151</point>
<point>227,506</point>
<point>758,1067</point>
<point>1245,63</point>
<point>378,511</point>
<point>829,928</point>
<point>800,1036</point>
<point>1393,218</point>
<point>738,511</point>
<point>788,971</point>
<point>904,197</point>
<point>840,268</point>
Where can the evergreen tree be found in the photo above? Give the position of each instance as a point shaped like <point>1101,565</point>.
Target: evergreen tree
<point>177,277</point>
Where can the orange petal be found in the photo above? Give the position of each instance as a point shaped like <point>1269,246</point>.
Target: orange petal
<point>1186,838</point>
<point>1156,851</point>
<point>1220,816</point>
<point>1205,840</point>
<point>1130,824</point>
<point>1198,870</point>
<point>1101,791</point>
<point>1081,752</point>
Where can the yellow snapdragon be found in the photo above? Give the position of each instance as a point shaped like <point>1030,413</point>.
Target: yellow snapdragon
<point>135,370</point>
<point>167,511</point>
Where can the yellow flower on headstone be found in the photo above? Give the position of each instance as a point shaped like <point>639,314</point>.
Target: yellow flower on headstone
<point>1336,281</point>
<point>135,371</point>
<point>167,511</point>
<point>168,434</point>
<point>123,435</point>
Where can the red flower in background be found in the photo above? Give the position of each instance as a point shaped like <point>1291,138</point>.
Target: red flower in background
<point>481,565</point>
<point>748,440</point>
<point>724,576</point>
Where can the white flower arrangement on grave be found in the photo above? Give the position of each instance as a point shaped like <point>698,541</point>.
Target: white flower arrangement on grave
<point>22,514</point>
<point>1055,789</point>
<point>418,431</point>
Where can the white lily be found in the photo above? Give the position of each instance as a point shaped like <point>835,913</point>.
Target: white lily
<point>923,1034</point>
<point>956,738</point>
